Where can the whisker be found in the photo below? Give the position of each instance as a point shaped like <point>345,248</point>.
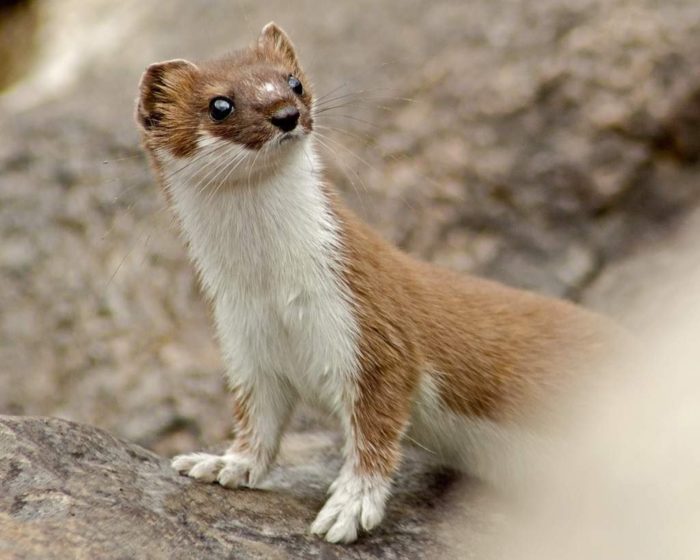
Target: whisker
<point>121,159</point>
<point>355,76</point>
<point>346,171</point>
<point>352,118</point>
<point>198,157</point>
<point>233,164</point>
<point>349,151</point>
<point>213,168</point>
<point>360,97</point>
<point>364,137</point>
<point>252,166</point>
<point>238,153</point>
<point>339,145</point>
<point>418,444</point>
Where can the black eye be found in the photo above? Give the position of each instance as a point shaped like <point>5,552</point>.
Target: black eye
<point>295,85</point>
<point>220,108</point>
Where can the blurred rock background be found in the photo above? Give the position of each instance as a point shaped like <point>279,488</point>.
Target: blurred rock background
<point>551,144</point>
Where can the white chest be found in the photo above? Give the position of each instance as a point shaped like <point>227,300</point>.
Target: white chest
<point>267,255</point>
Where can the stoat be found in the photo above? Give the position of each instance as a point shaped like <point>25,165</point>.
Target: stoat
<point>311,304</point>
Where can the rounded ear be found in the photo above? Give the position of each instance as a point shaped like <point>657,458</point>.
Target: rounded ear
<point>273,38</point>
<point>159,84</point>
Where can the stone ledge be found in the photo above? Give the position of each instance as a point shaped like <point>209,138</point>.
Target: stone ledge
<point>74,491</point>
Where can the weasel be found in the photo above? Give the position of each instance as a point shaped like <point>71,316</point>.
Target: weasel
<point>311,304</point>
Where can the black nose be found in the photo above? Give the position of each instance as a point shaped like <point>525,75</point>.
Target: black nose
<point>286,118</point>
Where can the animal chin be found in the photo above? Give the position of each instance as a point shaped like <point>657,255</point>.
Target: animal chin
<point>289,137</point>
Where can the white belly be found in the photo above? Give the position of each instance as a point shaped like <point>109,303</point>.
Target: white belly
<point>305,338</point>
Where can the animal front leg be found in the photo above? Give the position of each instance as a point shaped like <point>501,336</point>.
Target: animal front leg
<point>358,496</point>
<point>260,412</point>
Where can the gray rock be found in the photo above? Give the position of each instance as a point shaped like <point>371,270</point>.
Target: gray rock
<point>73,491</point>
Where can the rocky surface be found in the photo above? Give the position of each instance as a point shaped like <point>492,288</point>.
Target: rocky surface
<point>73,491</point>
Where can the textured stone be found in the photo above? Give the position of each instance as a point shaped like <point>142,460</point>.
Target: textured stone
<point>74,491</point>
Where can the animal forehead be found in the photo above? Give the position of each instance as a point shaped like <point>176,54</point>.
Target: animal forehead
<point>253,71</point>
<point>250,80</point>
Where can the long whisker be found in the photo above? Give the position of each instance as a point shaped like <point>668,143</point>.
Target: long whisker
<point>122,159</point>
<point>220,168</point>
<point>252,166</point>
<point>347,170</point>
<point>338,145</point>
<point>233,164</point>
<point>199,157</point>
<point>363,137</point>
<point>353,77</point>
<point>236,163</point>
<point>352,118</point>
<point>212,170</point>
<point>360,97</point>
<point>349,151</point>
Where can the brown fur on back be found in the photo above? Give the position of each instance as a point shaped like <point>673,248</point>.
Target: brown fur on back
<point>496,352</point>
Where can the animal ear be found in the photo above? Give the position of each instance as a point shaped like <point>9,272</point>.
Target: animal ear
<point>160,84</point>
<point>274,39</point>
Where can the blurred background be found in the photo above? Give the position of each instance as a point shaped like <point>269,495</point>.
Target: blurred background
<point>550,144</point>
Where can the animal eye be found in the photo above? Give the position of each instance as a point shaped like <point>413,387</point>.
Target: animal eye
<point>220,108</point>
<point>295,85</point>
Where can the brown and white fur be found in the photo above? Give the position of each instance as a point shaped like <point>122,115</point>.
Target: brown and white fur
<point>311,304</point>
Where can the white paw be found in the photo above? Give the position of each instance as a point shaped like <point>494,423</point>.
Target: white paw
<point>232,470</point>
<point>356,502</point>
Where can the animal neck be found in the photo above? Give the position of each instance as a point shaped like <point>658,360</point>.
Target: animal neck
<point>270,233</point>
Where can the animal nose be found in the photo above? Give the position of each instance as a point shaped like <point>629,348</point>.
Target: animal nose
<point>286,118</point>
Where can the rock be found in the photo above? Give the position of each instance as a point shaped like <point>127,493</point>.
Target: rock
<point>73,491</point>
<point>565,126</point>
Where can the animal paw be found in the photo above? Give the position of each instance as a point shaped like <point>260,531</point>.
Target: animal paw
<point>356,503</point>
<point>232,470</point>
